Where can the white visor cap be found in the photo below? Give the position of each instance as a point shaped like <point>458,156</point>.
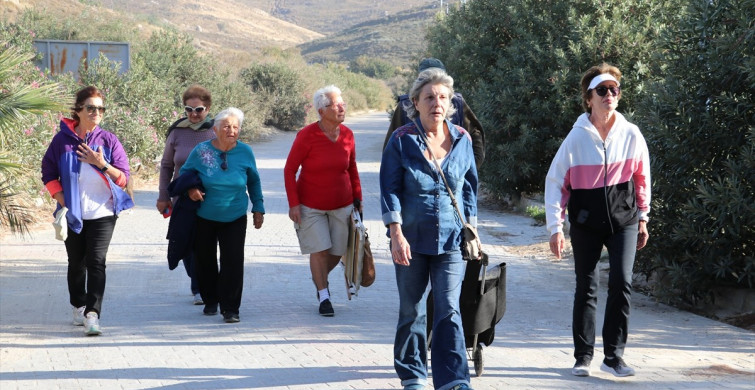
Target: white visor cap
<point>601,78</point>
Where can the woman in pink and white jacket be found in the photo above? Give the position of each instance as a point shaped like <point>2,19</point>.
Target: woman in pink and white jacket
<point>601,175</point>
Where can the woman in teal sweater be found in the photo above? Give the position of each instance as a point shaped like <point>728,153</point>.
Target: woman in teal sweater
<point>229,176</point>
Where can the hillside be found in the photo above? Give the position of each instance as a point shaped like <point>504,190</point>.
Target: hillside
<point>330,16</point>
<point>218,26</point>
<point>392,31</point>
<point>398,39</point>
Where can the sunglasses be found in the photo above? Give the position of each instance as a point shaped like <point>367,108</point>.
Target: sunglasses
<point>224,164</point>
<point>198,109</point>
<point>602,91</point>
<point>92,109</point>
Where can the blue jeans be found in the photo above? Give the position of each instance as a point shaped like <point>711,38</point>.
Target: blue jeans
<point>445,272</point>
<point>587,246</point>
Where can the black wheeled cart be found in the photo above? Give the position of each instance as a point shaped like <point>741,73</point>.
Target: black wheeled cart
<point>482,303</point>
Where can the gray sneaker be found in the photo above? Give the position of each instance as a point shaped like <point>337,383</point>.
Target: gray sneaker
<point>617,367</point>
<point>78,315</point>
<point>582,366</point>
<point>92,324</point>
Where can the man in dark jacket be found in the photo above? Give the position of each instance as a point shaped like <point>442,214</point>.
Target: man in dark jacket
<point>463,117</point>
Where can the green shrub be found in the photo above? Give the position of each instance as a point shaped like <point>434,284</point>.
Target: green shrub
<point>372,67</point>
<point>519,65</point>
<point>537,213</point>
<point>699,121</point>
<point>282,88</point>
<point>361,92</point>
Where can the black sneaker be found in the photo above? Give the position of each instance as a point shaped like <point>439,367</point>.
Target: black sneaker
<point>230,317</point>
<point>326,309</point>
<point>582,366</point>
<point>210,310</point>
<point>617,367</point>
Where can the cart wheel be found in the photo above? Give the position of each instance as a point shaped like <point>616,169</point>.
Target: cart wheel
<point>478,361</point>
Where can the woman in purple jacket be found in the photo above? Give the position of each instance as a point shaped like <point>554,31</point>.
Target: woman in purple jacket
<point>85,169</point>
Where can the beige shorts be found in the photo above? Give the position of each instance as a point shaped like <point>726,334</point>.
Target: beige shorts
<point>321,230</point>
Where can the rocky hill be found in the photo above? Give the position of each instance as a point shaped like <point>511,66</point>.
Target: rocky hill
<point>398,39</point>
<point>325,30</point>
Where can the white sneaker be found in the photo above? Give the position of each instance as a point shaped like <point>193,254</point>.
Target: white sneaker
<point>198,299</point>
<point>617,367</point>
<point>92,324</point>
<point>78,315</point>
<point>581,367</point>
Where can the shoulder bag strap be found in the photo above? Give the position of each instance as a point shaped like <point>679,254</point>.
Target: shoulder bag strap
<point>440,171</point>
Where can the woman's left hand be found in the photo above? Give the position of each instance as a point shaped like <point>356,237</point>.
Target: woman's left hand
<point>89,156</point>
<point>642,235</point>
<point>258,218</point>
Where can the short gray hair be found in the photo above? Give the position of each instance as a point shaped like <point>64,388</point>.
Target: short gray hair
<point>230,112</point>
<point>321,99</point>
<point>430,76</point>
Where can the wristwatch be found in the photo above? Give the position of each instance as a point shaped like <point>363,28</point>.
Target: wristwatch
<point>105,168</point>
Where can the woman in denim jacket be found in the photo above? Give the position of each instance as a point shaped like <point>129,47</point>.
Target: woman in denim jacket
<point>425,232</point>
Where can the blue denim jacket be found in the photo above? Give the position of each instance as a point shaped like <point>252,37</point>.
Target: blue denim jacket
<point>413,194</point>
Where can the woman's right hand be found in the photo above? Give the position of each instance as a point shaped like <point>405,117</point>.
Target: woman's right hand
<point>557,244</point>
<point>294,213</point>
<point>163,205</point>
<point>400,249</point>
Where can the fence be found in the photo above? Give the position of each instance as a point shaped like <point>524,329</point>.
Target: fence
<point>66,56</point>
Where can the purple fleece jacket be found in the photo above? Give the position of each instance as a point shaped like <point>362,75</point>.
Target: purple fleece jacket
<point>61,167</point>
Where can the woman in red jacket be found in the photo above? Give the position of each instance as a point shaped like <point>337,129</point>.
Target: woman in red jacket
<point>326,191</point>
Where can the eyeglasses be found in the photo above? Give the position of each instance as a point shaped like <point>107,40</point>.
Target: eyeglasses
<point>91,109</point>
<point>197,109</point>
<point>224,164</point>
<point>601,91</point>
<point>339,105</point>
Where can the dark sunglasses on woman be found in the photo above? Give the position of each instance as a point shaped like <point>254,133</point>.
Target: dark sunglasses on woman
<point>601,91</point>
<point>224,161</point>
<point>198,109</point>
<point>91,109</point>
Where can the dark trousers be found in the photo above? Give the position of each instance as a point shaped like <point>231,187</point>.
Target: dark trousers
<point>587,246</point>
<point>191,272</point>
<point>86,262</point>
<point>221,286</point>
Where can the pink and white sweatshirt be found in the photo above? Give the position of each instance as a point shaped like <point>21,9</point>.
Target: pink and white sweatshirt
<point>605,185</point>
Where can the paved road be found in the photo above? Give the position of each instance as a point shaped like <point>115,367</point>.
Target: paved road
<point>154,338</point>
